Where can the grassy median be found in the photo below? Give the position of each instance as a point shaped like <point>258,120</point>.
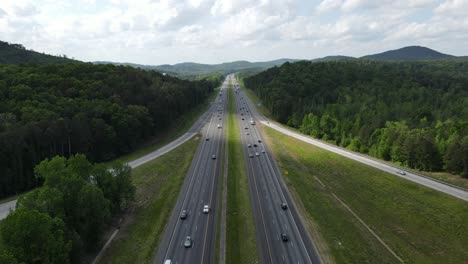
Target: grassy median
<point>158,185</point>
<point>240,234</point>
<point>419,224</point>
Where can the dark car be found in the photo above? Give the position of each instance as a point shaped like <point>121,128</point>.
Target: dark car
<point>255,145</point>
<point>207,139</point>
<point>259,141</point>
<point>284,206</point>
<point>284,237</point>
<point>183,214</point>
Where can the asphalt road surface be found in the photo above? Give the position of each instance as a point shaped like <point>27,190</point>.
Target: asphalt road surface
<point>200,188</point>
<point>452,190</point>
<point>267,193</point>
<point>6,207</point>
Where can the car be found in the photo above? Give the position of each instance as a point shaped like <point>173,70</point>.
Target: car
<point>284,206</point>
<point>251,155</point>
<point>220,118</point>
<point>255,145</point>
<point>207,139</point>
<point>219,126</point>
<point>247,133</point>
<point>242,114</point>
<point>257,154</point>
<point>188,242</point>
<point>242,118</point>
<point>263,151</point>
<point>246,128</point>
<point>183,214</point>
<point>401,172</point>
<point>259,141</point>
<point>206,209</point>
<point>284,237</point>
<point>168,261</point>
<point>213,156</point>
<point>249,146</point>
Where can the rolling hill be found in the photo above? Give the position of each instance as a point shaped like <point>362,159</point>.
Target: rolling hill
<point>18,54</point>
<point>411,53</point>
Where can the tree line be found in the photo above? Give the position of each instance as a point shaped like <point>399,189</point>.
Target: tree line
<point>66,217</point>
<point>102,111</point>
<point>412,113</point>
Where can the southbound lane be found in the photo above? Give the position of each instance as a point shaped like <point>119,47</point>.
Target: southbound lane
<point>200,188</point>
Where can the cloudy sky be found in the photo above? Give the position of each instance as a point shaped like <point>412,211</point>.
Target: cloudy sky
<point>212,31</point>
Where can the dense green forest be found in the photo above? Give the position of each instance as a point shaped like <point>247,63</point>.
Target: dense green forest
<point>18,54</point>
<point>66,217</point>
<point>413,113</point>
<point>101,111</point>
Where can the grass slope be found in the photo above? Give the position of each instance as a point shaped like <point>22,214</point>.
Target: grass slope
<point>421,225</point>
<point>240,238</point>
<point>158,185</point>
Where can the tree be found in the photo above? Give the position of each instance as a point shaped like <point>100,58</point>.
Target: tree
<point>35,237</point>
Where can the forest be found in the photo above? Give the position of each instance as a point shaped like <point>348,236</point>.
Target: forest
<point>102,111</point>
<point>411,113</point>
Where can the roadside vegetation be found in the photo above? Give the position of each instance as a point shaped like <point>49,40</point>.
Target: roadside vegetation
<point>443,176</point>
<point>410,113</point>
<point>158,184</point>
<point>101,111</point>
<point>65,218</point>
<point>240,230</point>
<point>419,224</point>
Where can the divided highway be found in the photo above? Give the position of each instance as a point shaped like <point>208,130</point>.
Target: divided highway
<point>281,235</point>
<point>200,189</point>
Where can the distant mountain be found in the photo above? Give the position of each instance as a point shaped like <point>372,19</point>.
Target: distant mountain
<point>332,58</point>
<point>410,53</point>
<point>18,54</point>
<point>192,68</point>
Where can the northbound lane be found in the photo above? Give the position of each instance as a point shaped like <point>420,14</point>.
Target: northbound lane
<point>268,192</point>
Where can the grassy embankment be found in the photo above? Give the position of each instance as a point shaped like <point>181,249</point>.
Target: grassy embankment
<point>419,224</point>
<point>158,184</point>
<point>240,238</point>
<point>450,178</point>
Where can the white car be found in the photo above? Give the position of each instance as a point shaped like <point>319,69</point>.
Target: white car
<point>206,209</point>
<point>219,126</point>
<point>401,172</point>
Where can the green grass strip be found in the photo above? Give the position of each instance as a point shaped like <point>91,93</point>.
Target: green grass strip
<point>158,185</point>
<point>419,224</point>
<point>241,236</point>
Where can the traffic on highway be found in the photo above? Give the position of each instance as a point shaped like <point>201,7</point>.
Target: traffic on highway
<point>281,235</point>
<point>191,231</point>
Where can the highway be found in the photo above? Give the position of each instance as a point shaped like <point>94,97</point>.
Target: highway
<point>452,190</point>
<point>200,188</point>
<point>267,193</point>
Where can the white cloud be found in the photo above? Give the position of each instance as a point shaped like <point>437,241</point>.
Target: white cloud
<point>168,31</point>
<point>453,8</point>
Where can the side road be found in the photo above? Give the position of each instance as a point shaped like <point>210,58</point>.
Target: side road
<point>439,186</point>
<point>196,127</point>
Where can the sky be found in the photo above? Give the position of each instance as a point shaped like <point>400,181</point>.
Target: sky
<point>157,32</point>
